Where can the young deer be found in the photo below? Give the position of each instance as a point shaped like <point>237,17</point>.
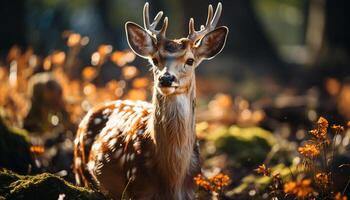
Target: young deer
<point>146,150</point>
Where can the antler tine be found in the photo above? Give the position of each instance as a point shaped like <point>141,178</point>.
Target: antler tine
<point>191,27</point>
<point>162,31</point>
<point>217,15</point>
<point>151,27</point>
<point>210,15</point>
<point>146,15</point>
<point>156,20</point>
<point>210,24</point>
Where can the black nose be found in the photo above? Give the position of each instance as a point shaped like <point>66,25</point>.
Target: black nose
<point>166,79</point>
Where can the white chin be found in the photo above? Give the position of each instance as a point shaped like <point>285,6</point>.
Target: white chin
<point>166,90</point>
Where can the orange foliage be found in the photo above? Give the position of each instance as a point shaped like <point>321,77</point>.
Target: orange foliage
<point>73,39</point>
<point>340,196</point>
<point>121,58</point>
<point>300,188</point>
<point>58,58</point>
<point>309,150</point>
<point>89,73</point>
<point>37,149</point>
<point>129,72</point>
<point>262,169</point>
<point>140,82</point>
<point>322,179</point>
<point>212,184</point>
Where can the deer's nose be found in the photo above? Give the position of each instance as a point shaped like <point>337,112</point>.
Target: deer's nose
<point>166,79</point>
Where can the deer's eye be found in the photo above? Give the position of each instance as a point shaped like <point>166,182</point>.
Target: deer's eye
<point>189,61</point>
<point>155,61</point>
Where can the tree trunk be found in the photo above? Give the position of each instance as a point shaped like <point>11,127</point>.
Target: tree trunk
<point>13,30</point>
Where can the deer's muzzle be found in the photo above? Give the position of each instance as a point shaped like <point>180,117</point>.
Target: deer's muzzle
<point>166,80</point>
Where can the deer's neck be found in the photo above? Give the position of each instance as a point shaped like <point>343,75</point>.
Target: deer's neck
<point>173,130</point>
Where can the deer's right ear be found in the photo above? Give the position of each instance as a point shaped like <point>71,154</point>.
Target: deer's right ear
<point>212,43</point>
<point>140,41</point>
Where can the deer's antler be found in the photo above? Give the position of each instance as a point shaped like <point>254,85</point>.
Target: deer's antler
<point>151,27</point>
<point>210,25</point>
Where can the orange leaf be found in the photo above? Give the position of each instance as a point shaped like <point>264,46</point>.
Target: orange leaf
<point>73,40</point>
<point>129,72</point>
<point>89,73</point>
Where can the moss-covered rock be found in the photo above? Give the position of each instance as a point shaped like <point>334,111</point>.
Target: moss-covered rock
<point>43,186</point>
<point>14,149</point>
<point>245,147</point>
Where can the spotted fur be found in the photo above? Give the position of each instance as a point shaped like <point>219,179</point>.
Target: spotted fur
<point>140,150</point>
<point>116,151</point>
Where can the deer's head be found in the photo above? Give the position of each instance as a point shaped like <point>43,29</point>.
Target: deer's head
<point>174,61</point>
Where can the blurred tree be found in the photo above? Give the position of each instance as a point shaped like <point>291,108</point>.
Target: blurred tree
<point>327,32</point>
<point>328,38</point>
<point>337,29</point>
<point>12,29</point>
<point>103,11</point>
<point>247,40</point>
<point>174,10</point>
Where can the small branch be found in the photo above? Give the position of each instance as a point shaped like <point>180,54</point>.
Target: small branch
<point>126,187</point>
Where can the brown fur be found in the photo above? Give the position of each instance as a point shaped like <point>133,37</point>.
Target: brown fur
<point>149,151</point>
<point>164,154</point>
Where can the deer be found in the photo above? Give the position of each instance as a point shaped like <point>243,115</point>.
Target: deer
<point>140,150</point>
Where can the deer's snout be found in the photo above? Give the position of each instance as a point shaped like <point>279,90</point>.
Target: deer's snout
<point>166,79</point>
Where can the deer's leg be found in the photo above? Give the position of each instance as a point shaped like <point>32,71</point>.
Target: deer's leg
<point>112,179</point>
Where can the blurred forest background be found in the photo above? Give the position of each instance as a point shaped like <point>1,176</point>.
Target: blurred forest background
<point>286,62</point>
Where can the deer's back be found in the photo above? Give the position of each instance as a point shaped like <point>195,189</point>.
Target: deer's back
<point>114,149</point>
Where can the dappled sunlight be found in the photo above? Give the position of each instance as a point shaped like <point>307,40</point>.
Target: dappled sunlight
<point>268,118</point>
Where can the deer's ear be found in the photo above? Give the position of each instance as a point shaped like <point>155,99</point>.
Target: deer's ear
<point>139,40</point>
<point>212,43</point>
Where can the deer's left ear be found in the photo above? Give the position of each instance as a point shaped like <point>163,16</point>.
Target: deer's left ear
<point>212,43</point>
<point>139,40</point>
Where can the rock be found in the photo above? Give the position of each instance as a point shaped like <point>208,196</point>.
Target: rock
<point>15,149</point>
<point>42,186</point>
<point>245,147</point>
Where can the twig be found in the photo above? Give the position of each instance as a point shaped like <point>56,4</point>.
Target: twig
<point>126,187</point>
<point>347,184</point>
<point>346,187</point>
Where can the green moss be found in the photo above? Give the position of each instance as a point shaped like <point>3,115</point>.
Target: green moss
<point>246,147</point>
<point>43,186</point>
<point>261,182</point>
<point>246,134</point>
<point>15,149</point>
